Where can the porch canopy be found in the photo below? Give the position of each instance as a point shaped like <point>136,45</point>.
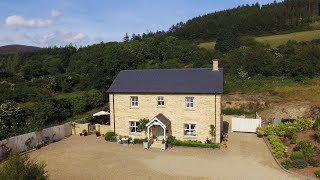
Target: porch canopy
<point>160,120</point>
<point>101,113</point>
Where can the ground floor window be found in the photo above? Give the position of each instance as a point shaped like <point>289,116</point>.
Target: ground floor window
<point>133,127</point>
<point>190,130</point>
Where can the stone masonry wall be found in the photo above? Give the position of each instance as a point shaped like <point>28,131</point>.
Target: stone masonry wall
<point>203,113</point>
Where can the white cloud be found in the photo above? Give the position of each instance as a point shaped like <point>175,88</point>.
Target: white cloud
<point>55,13</point>
<point>16,21</point>
<point>61,37</point>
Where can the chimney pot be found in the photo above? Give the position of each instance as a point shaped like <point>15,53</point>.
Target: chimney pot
<point>215,64</point>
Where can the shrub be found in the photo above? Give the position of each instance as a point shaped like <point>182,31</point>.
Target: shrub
<point>299,163</point>
<point>277,146</point>
<point>296,155</point>
<point>314,159</point>
<point>294,139</point>
<point>317,173</point>
<point>306,147</point>
<point>110,136</point>
<point>316,137</point>
<point>259,132</point>
<point>21,167</point>
<point>287,164</point>
<point>316,124</point>
<point>289,129</point>
<point>140,141</point>
<point>171,139</point>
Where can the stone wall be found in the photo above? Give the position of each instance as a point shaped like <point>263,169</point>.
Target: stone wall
<point>206,109</point>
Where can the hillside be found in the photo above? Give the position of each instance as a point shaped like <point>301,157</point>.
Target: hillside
<point>9,49</point>
<point>252,20</point>
<point>277,40</point>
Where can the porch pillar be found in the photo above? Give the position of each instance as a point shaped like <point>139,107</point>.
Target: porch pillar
<point>148,135</point>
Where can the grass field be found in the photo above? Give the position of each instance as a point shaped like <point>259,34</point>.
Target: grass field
<point>277,40</point>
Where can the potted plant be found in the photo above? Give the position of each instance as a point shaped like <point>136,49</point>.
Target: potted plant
<point>145,144</point>
<point>84,132</point>
<point>163,145</point>
<point>170,141</point>
<point>154,137</point>
<point>98,134</point>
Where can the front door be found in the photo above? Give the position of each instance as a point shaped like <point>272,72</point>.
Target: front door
<point>160,133</point>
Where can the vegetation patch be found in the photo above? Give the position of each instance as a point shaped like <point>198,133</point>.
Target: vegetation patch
<point>190,143</point>
<point>19,166</point>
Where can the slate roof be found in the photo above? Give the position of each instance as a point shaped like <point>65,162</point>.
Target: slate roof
<point>169,81</point>
<point>163,119</point>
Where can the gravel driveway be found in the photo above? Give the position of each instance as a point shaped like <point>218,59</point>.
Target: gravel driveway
<point>76,157</point>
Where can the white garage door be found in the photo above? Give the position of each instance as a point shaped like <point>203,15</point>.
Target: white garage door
<point>245,124</point>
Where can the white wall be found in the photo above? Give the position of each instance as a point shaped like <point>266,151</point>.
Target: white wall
<point>55,133</point>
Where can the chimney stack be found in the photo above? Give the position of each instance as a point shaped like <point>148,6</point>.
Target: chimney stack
<point>215,64</point>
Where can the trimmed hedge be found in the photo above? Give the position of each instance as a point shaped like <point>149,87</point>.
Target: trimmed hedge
<point>277,146</point>
<point>140,141</point>
<point>190,143</point>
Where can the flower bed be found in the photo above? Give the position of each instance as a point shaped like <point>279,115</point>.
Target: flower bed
<point>295,145</point>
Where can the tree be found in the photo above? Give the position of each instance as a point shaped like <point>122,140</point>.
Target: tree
<point>12,120</point>
<point>126,38</point>
<point>212,131</point>
<point>227,41</point>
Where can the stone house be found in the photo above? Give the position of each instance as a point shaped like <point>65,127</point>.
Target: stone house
<point>178,102</point>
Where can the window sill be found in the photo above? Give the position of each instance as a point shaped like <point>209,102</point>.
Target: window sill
<point>161,106</point>
<point>134,107</point>
<point>190,109</point>
<point>190,137</point>
<point>136,134</point>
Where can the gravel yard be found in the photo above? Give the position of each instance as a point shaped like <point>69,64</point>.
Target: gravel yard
<point>246,157</point>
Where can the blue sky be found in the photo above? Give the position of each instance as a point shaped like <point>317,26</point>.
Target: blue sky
<point>61,22</point>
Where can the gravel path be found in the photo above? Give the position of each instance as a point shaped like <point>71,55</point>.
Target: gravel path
<point>246,157</point>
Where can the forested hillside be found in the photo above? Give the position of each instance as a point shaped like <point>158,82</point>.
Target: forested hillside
<point>46,87</point>
<point>256,19</point>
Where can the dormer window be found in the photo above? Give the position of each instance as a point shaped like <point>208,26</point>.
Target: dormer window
<point>160,101</point>
<point>134,101</point>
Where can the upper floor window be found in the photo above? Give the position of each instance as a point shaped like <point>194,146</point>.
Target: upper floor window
<point>134,101</point>
<point>160,101</point>
<point>133,127</point>
<point>189,102</point>
<point>190,130</point>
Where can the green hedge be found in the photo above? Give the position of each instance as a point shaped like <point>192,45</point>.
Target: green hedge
<point>277,146</point>
<point>172,140</point>
<point>139,141</point>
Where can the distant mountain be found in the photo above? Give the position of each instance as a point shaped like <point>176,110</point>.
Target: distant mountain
<point>8,49</point>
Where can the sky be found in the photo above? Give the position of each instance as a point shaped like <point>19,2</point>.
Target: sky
<point>82,22</point>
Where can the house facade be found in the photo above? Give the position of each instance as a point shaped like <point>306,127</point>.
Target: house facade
<point>178,102</point>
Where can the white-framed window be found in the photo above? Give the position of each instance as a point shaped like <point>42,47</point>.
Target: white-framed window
<point>133,127</point>
<point>134,101</point>
<point>190,130</point>
<point>160,101</point>
<point>189,102</point>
